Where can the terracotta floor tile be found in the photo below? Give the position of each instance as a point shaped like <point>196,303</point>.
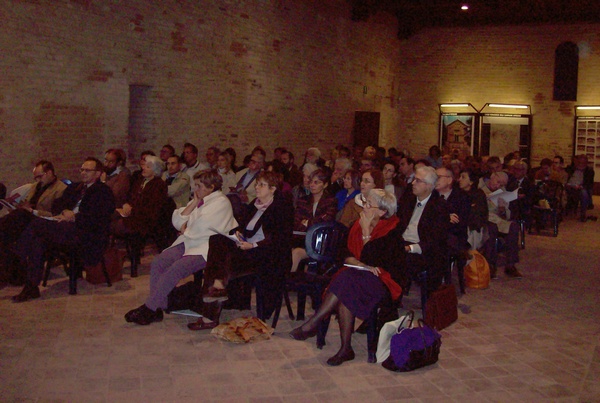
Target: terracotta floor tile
<point>523,341</point>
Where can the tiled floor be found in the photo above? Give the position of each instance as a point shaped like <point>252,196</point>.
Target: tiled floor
<point>529,340</point>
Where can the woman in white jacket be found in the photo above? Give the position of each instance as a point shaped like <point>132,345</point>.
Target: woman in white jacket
<point>208,213</point>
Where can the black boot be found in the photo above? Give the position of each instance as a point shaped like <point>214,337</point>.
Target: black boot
<point>29,292</point>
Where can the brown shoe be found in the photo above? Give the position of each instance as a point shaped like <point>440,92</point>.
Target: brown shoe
<point>512,272</point>
<point>202,325</point>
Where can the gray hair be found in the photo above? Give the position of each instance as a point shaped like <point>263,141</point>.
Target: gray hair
<point>502,176</point>
<point>344,161</point>
<point>155,164</point>
<point>314,151</point>
<point>430,175</point>
<point>309,168</point>
<point>386,201</point>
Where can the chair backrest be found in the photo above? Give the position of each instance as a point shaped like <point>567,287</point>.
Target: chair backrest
<point>324,239</point>
<point>552,191</point>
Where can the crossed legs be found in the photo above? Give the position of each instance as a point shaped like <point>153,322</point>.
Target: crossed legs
<point>346,318</point>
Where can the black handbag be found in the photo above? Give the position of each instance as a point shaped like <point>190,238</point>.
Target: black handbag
<point>413,348</point>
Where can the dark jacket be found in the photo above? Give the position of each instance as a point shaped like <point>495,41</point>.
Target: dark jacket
<point>458,203</point>
<point>478,213</point>
<point>433,237</point>
<point>92,222</point>
<point>147,204</point>
<point>326,210</point>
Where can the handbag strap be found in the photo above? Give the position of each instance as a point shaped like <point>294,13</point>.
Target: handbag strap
<point>409,315</point>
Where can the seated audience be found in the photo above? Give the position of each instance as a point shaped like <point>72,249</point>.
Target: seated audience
<point>38,202</point>
<point>558,170</point>
<point>458,206</point>
<point>244,190</point>
<point>178,182</point>
<point>478,212</point>
<point>208,213</point>
<point>544,172</point>
<point>580,185</point>
<point>165,152</point>
<point>212,155</point>
<point>355,292</point>
<point>350,190</point>
<point>370,179</point>
<point>499,223</point>
<point>318,207</point>
<point>140,215</point>
<point>260,244</point>
<point>82,226</point>
<point>407,169</point>
<point>192,163</point>
<point>390,178</point>
<point>293,175</point>
<point>303,189</point>
<point>226,171</point>
<point>116,176</point>
<point>340,167</point>
<point>434,157</point>
<point>423,228</point>
<point>278,167</point>
<point>136,176</point>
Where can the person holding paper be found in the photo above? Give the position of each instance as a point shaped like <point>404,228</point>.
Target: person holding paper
<point>372,255</point>
<point>498,222</point>
<point>260,244</point>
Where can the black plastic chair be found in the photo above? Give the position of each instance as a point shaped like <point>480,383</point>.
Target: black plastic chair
<point>322,244</point>
<point>549,205</point>
<point>69,258</point>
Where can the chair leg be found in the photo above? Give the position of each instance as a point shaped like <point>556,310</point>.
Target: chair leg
<point>460,269</point>
<point>105,272</point>
<point>372,336</point>
<point>74,270</point>
<point>301,305</point>
<point>288,304</point>
<point>423,279</point>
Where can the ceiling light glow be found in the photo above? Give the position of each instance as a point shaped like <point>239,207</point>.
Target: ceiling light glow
<point>464,7</point>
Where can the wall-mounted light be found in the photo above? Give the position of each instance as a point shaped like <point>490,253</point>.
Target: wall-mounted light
<point>464,7</point>
<point>508,106</point>
<point>591,107</point>
<point>454,105</point>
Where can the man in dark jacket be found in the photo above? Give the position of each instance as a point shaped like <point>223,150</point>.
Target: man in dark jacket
<point>423,226</point>
<point>82,226</point>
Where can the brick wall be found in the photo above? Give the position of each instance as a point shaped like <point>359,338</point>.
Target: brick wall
<point>499,65</point>
<point>243,73</point>
<point>220,73</point>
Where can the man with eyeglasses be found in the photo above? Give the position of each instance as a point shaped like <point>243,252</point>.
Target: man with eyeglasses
<point>458,205</point>
<point>38,202</point>
<point>81,224</point>
<point>423,229</point>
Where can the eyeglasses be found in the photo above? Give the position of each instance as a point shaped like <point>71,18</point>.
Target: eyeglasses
<point>82,170</point>
<point>261,184</point>
<point>444,176</point>
<point>38,177</point>
<point>417,180</point>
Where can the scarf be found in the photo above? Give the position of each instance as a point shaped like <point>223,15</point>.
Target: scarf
<point>355,242</point>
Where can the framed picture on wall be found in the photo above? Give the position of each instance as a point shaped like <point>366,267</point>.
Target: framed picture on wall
<point>458,123</point>
<point>457,134</point>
